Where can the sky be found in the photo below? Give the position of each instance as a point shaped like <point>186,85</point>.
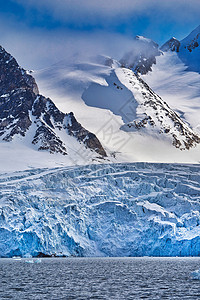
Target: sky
<point>41,32</point>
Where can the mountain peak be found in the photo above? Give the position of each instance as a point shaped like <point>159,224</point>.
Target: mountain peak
<point>192,41</point>
<point>143,55</point>
<point>143,39</point>
<point>13,76</point>
<point>172,44</point>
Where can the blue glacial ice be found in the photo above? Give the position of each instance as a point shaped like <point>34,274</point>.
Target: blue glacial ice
<point>138,209</point>
<point>195,275</point>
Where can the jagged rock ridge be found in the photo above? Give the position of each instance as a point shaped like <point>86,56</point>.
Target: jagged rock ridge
<point>21,107</point>
<point>155,114</point>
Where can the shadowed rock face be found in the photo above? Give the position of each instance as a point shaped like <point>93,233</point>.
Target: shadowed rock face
<point>13,77</point>
<point>21,106</point>
<point>173,44</point>
<point>83,135</point>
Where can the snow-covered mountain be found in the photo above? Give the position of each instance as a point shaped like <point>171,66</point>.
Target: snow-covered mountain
<point>29,118</point>
<point>132,122</point>
<point>132,116</point>
<point>188,49</point>
<point>101,210</point>
<point>175,77</point>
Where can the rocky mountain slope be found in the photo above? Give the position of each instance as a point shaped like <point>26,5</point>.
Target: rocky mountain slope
<point>175,77</point>
<point>156,114</point>
<point>139,109</point>
<point>24,112</point>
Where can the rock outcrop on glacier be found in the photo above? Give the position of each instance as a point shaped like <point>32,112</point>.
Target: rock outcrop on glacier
<point>101,210</point>
<point>23,112</point>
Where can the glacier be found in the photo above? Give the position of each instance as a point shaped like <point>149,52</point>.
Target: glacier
<point>122,209</point>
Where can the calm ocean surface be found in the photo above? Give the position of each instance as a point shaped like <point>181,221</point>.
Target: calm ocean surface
<point>99,278</point>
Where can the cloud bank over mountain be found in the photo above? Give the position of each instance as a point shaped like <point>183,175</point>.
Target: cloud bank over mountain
<point>42,31</point>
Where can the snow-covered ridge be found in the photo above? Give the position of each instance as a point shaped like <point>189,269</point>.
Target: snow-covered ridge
<point>155,115</point>
<point>187,49</point>
<point>101,210</point>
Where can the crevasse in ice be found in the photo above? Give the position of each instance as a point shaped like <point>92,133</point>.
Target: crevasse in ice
<point>132,209</point>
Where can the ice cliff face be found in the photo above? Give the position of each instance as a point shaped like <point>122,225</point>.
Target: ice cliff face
<point>23,112</point>
<point>111,210</point>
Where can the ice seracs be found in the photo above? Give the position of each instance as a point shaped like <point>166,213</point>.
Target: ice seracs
<point>101,210</point>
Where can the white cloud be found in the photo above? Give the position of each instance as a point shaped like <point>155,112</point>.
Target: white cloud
<point>39,48</point>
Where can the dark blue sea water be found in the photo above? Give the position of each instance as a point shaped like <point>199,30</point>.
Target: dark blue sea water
<point>99,278</point>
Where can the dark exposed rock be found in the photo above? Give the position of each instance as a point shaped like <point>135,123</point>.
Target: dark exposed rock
<point>47,140</point>
<point>173,44</point>
<point>13,77</point>
<point>21,106</point>
<point>83,135</point>
<point>194,43</point>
